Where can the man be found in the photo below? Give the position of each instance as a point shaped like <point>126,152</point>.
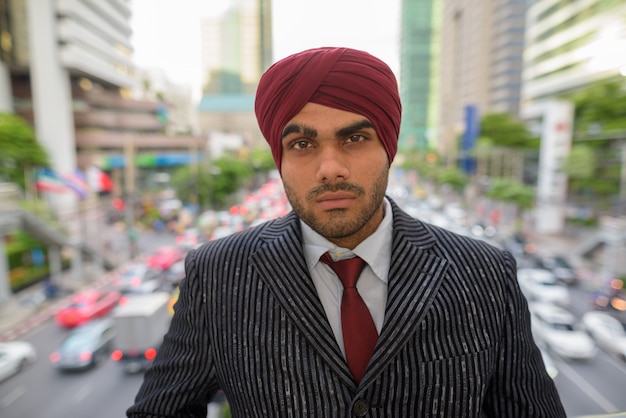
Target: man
<point>263,316</point>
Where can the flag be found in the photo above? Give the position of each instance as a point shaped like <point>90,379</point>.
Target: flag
<point>77,182</point>
<point>99,181</point>
<point>47,180</point>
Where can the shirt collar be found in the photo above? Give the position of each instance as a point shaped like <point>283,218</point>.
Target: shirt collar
<point>375,249</point>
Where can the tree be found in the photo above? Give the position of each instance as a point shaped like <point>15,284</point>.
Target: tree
<point>595,161</point>
<point>212,188</point>
<point>517,196</point>
<point>21,152</point>
<point>600,108</point>
<point>503,130</point>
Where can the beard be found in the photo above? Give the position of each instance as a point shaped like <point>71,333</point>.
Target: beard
<point>339,223</point>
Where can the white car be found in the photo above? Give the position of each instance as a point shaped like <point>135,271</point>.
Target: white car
<point>541,285</point>
<point>607,332</point>
<point>14,356</point>
<point>556,330</point>
<point>549,363</point>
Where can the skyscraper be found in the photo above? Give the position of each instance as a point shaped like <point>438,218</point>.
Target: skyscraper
<point>419,69</point>
<point>70,72</point>
<point>237,47</point>
<point>571,44</point>
<point>457,54</point>
<point>236,50</point>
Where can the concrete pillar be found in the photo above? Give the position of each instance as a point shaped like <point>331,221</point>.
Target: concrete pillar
<point>6,95</point>
<point>78,270</point>
<point>51,95</point>
<point>614,233</point>
<point>54,262</point>
<point>555,118</point>
<point>5,288</point>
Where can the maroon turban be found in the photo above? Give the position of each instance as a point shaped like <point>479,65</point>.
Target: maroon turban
<point>341,78</point>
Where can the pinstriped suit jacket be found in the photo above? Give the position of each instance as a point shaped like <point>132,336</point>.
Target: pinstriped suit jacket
<point>456,341</point>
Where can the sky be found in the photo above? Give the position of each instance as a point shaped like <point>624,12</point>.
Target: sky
<point>166,33</point>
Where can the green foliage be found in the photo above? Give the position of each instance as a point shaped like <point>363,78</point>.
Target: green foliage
<point>423,162</point>
<point>262,160</point>
<point>22,271</point>
<point>594,164</point>
<point>232,175</point>
<point>581,166</point>
<point>452,176</point>
<point>581,163</point>
<point>20,150</point>
<point>600,107</point>
<point>212,187</point>
<point>503,130</point>
<point>509,191</point>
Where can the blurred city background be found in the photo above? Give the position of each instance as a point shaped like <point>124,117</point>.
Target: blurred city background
<point>128,137</point>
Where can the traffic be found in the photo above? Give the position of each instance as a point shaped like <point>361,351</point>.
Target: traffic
<point>90,363</point>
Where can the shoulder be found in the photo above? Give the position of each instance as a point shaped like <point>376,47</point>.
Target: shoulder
<point>458,249</point>
<point>250,239</point>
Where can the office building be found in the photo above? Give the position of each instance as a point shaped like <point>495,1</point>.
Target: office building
<point>572,44</point>
<point>236,50</point>
<point>481,64</point>
<point>69,67</point>
<point>419,72</point>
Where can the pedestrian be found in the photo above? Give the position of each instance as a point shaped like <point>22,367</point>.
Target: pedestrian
<point>436,325</point>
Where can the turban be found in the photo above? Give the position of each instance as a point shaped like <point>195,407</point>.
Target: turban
<point>341,78</point>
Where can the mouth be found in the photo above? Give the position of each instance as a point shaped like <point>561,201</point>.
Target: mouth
<point>335,200</point>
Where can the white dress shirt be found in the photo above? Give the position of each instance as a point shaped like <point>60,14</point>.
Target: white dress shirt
<point>372,284</point>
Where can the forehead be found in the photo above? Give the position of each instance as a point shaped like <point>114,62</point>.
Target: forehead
<point>320,116</point>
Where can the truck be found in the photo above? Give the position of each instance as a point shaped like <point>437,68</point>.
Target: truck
<point>140,322</point>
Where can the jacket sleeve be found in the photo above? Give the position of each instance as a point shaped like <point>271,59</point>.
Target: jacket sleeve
<point>181,382</point>
<point>520,387</point>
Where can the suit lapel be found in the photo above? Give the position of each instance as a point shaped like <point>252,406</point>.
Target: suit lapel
<point>415,277</point>
<point>414,280</point>
<point>281,265</point>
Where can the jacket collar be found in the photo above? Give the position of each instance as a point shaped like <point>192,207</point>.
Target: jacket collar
<point>414,279</point>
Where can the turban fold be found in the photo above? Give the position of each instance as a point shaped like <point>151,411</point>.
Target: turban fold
<point>341,78</point>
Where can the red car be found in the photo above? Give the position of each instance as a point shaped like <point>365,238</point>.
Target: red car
<point>164,257</point>
<point>85,306</point>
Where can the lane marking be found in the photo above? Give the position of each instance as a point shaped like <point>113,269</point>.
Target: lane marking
<point>12,396</point>
<point>589,390</point>
<point>82,393</point>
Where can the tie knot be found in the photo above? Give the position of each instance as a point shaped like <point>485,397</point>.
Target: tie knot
<point>347,270</point>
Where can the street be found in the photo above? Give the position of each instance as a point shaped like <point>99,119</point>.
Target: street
<point>593,387</point>
<point>586,387</point>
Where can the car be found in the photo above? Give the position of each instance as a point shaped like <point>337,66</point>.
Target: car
<point>519,246</point>
<point>175,273</point>
<point>223,231</point>
<point>542,285</point>
<point>85,346</point>
<point>14,357</point>
<point>555,329</point>
<point>549,364</point>
<point>607,332</point>
<point>190,239</point>
<point>610,299</point>
<point>172,300</point>
<point>135,278</point>
<point>163,257</point>
<point>560,267</point>
<point>86,305</point>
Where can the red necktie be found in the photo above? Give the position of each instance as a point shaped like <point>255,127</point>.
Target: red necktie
<point>359,331</point>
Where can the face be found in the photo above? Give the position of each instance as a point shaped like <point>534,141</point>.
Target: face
<point>335,170</point>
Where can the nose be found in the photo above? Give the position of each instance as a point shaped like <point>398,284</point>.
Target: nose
<point>332,165</point>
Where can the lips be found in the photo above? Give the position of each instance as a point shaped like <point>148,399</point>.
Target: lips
<point>335,200</point>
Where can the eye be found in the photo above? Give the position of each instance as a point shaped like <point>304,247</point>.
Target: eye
<point>300,144</point>
<point>355,138</point>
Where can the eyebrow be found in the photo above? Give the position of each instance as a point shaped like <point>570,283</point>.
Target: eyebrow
<point>312,133</point>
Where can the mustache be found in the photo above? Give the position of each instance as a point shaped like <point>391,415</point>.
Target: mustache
<point>345,187</point>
